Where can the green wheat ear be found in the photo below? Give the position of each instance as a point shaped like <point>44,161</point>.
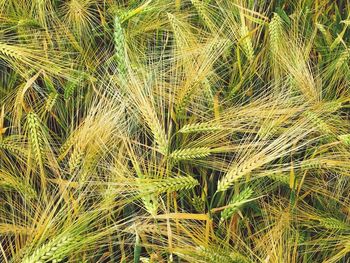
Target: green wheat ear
<point>157,130</point>
<point>198,203</point>
<point>322,125</point>
<point>51,251</point>
<point>236,203</point>
<point>275,32</point>
<point>345,138</point>
<point>333,224</point>
<point>9,51</point>
<point>238,171</point>
<point>75,160</point>
<point>51,100</point>
<point>217,254</point>
<point>199,5</point>
<point>247,43</point>
<point>342,59</point>
<point>200,127</point>
<point>10,143</point>
<point>120,47</point>
<point>36,140</point>
<point>279,177</point>
<point>190,153</point>
<point>173,184</point>
<point>150,203</point>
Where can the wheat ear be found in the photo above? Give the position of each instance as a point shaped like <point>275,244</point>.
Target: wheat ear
<point>9,51</point>
<point>156,129</point>
<point>190,153</point>
<point>314,118</point>
<point>203,14</point>
<point>275,32</point>
<point>36,141</point>
<point>345,139</point>
<point>150,203</point>
<point>236,202</point>
<point>333,224</point>
<point>51,100</point>
<point>200,127</point>
<point>172,184</point>
<point>49,251</point>
<point>119,42</point>
<point>247,43</point>
<point>238,171</point>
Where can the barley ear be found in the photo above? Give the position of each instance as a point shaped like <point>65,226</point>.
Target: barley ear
<point>190,153</point>
<point>275,32</point>
<point>236,203</point>
<point>36,142</point>
<point>50,251</point>
<point>238,171</point>
<point>200,127</point>
<point>120,48</point>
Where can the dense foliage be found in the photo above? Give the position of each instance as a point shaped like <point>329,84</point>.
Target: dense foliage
<point>174,131</point>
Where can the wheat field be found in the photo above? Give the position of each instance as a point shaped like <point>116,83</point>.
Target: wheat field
<point>174,131</point>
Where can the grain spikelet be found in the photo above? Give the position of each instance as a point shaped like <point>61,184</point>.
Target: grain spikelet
<point>216,254</point>
<point>11,182</point>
